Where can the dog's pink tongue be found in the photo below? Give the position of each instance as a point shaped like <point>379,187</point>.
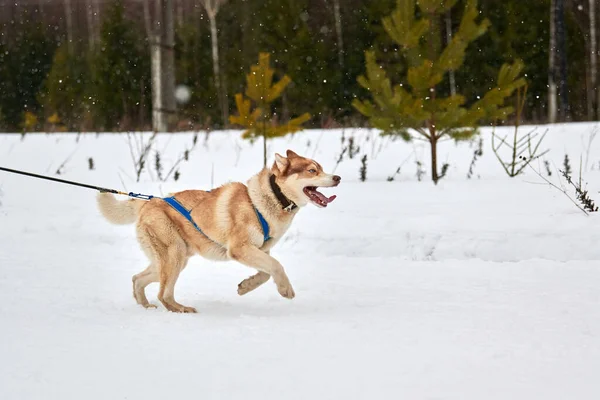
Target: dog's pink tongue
<point>324,199</point>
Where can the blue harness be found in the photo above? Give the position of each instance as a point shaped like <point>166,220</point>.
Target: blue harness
<point>187,215</point>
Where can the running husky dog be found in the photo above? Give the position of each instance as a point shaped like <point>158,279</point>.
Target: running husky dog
<point>232,222</point>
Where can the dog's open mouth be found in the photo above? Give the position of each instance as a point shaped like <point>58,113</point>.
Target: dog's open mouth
<point>317,197</point>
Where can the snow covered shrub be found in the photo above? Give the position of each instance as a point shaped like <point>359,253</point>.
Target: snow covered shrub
<point>420,170</point>
<point>350,149</point>
<point>547,166</point>
<point>567,165</point>
<point>158,166</point>
<point>586,205</point>
<point>393,176</point>
<point>582,193</point>
<point>353,150</point>
<point>476,154</point>
<point>363,168</point>
<point>522,150</point>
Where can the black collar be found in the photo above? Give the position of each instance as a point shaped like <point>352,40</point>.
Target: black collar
<point>286,203</point>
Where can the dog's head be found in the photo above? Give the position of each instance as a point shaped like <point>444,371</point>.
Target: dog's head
<point>300,177</point>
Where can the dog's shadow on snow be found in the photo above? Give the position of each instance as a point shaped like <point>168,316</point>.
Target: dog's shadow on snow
<point>259,308</point>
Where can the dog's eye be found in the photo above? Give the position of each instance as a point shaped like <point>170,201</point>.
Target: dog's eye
<point>312,171</point>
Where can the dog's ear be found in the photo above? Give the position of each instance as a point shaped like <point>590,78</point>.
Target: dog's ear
<point>281,162</point>
<point>291,154</point>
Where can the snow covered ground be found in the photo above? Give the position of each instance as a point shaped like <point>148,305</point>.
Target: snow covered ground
<point>487,288</point>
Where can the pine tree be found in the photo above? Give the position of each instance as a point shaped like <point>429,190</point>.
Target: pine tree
<point>121,70</point>
<point>193,63</point>
<point>24,63</point>
<point>255,113</point>
<point>415,102</point>
<point>63,97</point>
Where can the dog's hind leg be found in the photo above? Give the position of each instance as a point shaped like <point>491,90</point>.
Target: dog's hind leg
<point>140,281</point>
<point>251,283</point>
<point>148,243</point>
<point>173,261</point>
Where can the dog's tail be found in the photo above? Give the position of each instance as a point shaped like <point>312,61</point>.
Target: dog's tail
<point>118,212</point>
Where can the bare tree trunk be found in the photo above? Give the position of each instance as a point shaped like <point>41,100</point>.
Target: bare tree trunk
<point>212,9</point>
<point>154,73</point>
<point>168,64</point>
<point>561,47</point>
<point>159,123</point>
<point>212,17</point>
<point>158,118</point>
<point>451,75</point>
<point>434,170</point>
<point>89,10</point>
<point>41,11</point>
<point>264,150</point>
<point>338,32</point>
<point>69,21</point>
<point>552,89</point>
<point>180,17</point>
<point>147,20</point>
<point>97,23</point>
<point>162,45</point>
<point>593,56</point>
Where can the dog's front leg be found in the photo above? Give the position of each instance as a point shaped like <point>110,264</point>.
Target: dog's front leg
<point>251,283</point>
<point>254,281</point>
<point>255,258</point>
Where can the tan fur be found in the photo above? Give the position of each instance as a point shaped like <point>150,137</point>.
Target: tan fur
<point>118,212</point>
<point>227,216</point>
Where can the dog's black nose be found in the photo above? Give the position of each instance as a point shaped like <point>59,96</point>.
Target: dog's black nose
<point>337,178</point>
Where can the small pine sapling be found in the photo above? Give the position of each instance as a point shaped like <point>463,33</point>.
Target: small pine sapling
<point>255,113</point>
<point>415,103</point>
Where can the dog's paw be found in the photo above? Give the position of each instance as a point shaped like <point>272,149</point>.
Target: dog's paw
<point>251,283</point>
<point>179,308</point>
<point>149,306</point>
<point>286,291</point>
<point>244,287</point>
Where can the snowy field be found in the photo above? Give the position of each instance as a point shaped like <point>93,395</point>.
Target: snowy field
<point>482,288</point>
